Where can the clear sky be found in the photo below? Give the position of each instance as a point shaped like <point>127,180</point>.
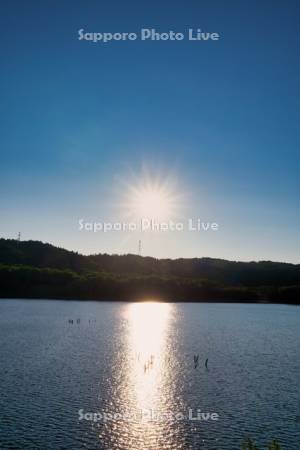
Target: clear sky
<point>85,124</point>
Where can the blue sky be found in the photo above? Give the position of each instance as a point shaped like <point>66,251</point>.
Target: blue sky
<point>81,120</point>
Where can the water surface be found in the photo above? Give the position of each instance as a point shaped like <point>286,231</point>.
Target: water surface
<point>62,361</point>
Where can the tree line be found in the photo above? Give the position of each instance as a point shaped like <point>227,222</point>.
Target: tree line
<point>38,270</point>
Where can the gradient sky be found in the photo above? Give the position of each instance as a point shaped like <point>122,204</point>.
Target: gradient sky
<point>220,119</point>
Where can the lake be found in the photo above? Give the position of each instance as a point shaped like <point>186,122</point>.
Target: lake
<point>100,375</point>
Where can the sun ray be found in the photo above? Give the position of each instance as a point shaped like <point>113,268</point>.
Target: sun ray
<point>151,196</point>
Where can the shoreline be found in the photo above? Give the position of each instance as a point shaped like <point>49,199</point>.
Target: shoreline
<point>156,300</point>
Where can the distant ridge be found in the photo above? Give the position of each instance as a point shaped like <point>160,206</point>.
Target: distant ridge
<point>181,278</point>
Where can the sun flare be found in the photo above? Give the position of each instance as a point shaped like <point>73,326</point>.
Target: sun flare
<point>152,198</point>
<point>152,202</point>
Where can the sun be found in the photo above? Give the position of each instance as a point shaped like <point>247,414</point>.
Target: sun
<point>152,197</point>
<point>152,202</point>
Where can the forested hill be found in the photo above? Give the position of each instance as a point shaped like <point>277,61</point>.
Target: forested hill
<point>38,254</point>
<point>193,278</point>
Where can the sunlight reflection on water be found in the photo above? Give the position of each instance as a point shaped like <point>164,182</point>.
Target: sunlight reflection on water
<point>145,390</point>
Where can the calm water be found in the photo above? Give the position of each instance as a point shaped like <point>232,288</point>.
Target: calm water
<point>127,358</point>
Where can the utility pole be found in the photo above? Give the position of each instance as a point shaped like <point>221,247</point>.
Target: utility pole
<point>140,248</point>
<point>19,236</point>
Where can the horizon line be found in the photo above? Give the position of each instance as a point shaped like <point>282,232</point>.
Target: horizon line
<point>152,257</point>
